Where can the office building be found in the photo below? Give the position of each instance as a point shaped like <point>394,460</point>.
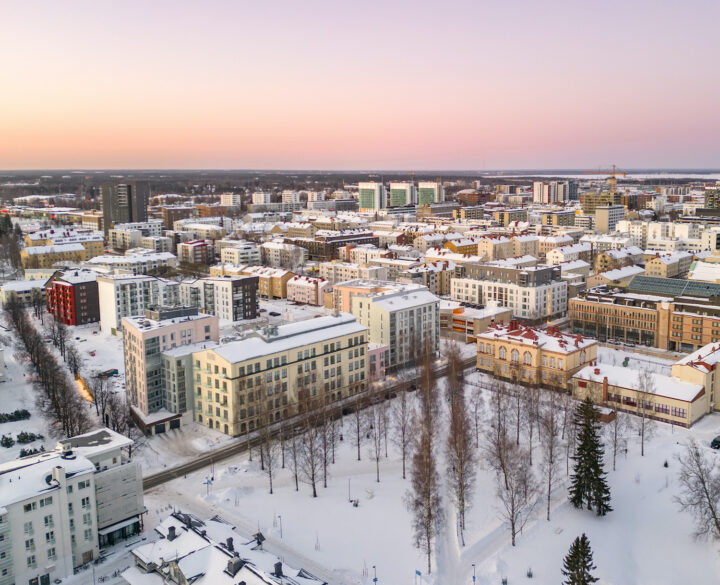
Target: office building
<point>371,196</point>
<point>402,194</point>
<point>430,192</point>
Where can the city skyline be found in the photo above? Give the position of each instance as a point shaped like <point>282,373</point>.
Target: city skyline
<point>374,86</point>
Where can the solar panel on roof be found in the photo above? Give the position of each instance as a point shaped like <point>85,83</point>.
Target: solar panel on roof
<point>673,286</point>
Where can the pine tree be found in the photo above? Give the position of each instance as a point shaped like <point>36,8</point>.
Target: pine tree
<point>578,563</point>
<point>588,484</point>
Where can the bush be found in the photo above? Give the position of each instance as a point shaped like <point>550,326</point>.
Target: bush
<point>24,438</point>
<point>27,452</point>
<point>14,416</point>
<point>7,441</point>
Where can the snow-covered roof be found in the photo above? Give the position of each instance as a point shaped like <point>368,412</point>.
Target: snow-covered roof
<point>707,271</point>
<point>56,249</point>
<point>393,300</point>
<point>23,285</point>
<point>96,442</point>
<point>705,358</point>
<point>671,258</point>
<point>79,276</point>
<point>622,273</point>
<point>291,336</point>
<point>666,386</point>
<point>554,340</point>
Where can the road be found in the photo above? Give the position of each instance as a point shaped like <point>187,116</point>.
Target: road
<point>241,445</point>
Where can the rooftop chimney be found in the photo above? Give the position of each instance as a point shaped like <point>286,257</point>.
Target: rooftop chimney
<point>229,543</point>
<point>234,565</point>
<point>171,533</point>
<point>278,569</point>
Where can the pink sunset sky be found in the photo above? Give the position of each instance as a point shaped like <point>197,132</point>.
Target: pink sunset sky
<point>359,85</point>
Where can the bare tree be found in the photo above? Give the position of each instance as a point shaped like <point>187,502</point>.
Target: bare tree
<point>403,411</point>
<point>423,497</point>
<point>615,434</point>
<point>476,404</point>
<point>700,482</point>
<point>267,441</point>
<point>295,456</point>
<point>519,496</point>
<point>531,414</point>
<point>549,428</point>
<point>460,453</point>
<point>496,436</point>
<point>311,450</point>
<point>374,424</point>
<point>645,407</point>
<point>358,423</point>
<point>73,359</point>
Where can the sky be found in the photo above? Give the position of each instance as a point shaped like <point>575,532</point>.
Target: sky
<point>333,84</point>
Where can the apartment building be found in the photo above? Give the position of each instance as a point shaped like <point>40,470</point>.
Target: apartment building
<point>47,256</point>
<point>173,213</point>
<point>557,218</point>
<point>240,386</point>
<point>282,255</point>
<point>23,291</point>
<point>272,282</point>
<point>547,243</point>
<point>602,242</point>
<point>524,355</point>
<point>129,295</point>
<point>59,507</point>
<point>669,265</point>
<point>72,297</point>
<point>505,217</point>
<point>144,341</point>
<point>637,230</point>
<point>617,277</point>
<point>335,272</point>
<point>406,318</point>
<point>611,259</point>
<point>261,198</point>
<point>196,252</point>
<point>307,290</point>
<point>124,202</point>
<point>232,298</point>
<point>135,263</point>
<point>326,243</point>
<point>93,241</point>
<point>463,245</point>
<point>394,266</point>
<point>581,251</point>
<point>534,293</point>
<point>157,243</point>
<point>231,199</point>
<point>242,253</point>
<point>435,276</point>
<point>289,196</point>
<point>607,217</point>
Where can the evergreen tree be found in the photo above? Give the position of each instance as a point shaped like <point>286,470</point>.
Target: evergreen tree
<point>588,484</point>
<point>578,563</point>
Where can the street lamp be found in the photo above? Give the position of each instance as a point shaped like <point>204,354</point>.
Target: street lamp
<point>473,566</point>
<point>375,580</point>
<point>280,518</point>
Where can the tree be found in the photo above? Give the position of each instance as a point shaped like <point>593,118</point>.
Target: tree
<point>588,484</point>
<point>578,563</point>
<point>476,404</point>
<point>358,423</point>
<point>403,412</point>
<point>460,453</point>
<point>496,437</point>
<point>645,407</point>
<point>423,497</point>
<point>531,414</point>
<point>268,443</point>
<point>310,450</point>
<point>518,492</point>
<point>700,483</point>
<point>549,430</point>
<point>374,425</point>
<point>37,302</point>
<point>615,434</point>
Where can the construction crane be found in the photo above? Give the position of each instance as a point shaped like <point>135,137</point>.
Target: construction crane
<point>612,178</point>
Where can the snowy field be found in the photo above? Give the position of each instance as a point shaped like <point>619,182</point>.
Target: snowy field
<point>645,540</point>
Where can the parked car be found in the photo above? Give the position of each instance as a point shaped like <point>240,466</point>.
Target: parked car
<point>274,314</point>
<point>715,443</point>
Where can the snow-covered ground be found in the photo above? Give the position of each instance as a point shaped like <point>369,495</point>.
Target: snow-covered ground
<point>637,361</point>
<point>646,539</point>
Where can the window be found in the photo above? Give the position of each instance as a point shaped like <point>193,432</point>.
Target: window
<point>86,502</point>
<point>29,507</point>
<point>527,358</point>
<point>88,534</point>
<point>515,355</point>
<point>502,353</point>
<point>31,563</point>
<point>51,554</point>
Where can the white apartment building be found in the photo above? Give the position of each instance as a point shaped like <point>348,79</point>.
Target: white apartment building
<point>602,242</point>
<point>342,271</point>
<point>129,295</point>
<point>244,253</point>
<point>315,196</point>
<point>361,254</point>
<point>282,255</point>
<point>232,298</point>
<point>289,196</point>
<point>152,227</point>
<point>230,199</point>
<point>261,198</point>
<point>135,263</point>
<point>637,230</point>
<point>405,318</point>
<point>526,302</point>
<point>156,243</point>
<point>581,251</point>
<point>307,290</point>
<point>59,507</point>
